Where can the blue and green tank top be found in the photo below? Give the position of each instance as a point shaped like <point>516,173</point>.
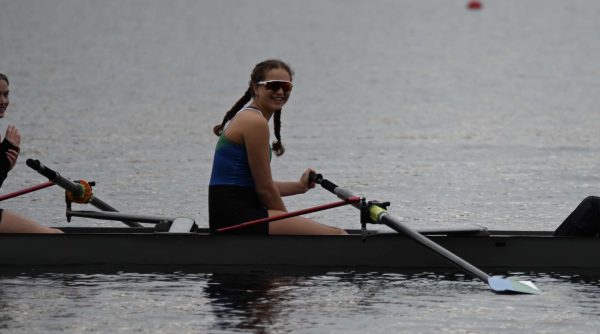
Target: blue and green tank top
<point>230,164</point>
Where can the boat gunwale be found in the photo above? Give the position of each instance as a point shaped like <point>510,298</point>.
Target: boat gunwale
<point>353,233</point>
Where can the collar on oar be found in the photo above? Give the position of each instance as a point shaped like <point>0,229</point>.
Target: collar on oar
<point>84,194</point>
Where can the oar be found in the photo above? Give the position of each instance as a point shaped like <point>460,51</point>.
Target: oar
<point>174,224</point>
<point>119,216</point>
<point>26,190</point>
<point>349,200</point>
<point>378,214</point>
<point>72,187</point>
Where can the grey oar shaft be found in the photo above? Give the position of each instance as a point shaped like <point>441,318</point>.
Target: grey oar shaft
<point>394,224</point>
<point>101,205</point>
<point>398,226</point>
<point>341,193</point>
<point>379,214</point>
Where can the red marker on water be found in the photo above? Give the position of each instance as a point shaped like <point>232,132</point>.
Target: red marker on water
<point>474,4</point>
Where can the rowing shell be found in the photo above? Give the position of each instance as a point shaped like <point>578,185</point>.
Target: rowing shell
<point>131,248</point>
<point>377,213</point>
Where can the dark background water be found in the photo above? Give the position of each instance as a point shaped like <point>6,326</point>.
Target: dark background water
<point>455,116</point>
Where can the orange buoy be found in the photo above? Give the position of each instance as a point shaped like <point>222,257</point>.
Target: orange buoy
<point>474,4</point>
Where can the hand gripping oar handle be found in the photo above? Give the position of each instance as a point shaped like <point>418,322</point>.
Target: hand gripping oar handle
<point>332,187</point>
<point>379,214</point>
<point>72,187</point>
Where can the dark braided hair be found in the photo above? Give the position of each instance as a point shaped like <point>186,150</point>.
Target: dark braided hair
<point>218,129</point>
<point>277,146</point>
<point>4,77</point>
<point>258,74</point>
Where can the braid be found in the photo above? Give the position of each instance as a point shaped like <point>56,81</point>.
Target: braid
<point>278,147</point>
<point>218,129</point>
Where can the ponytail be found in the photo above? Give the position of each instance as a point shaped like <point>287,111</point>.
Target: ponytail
<point>218,129</point>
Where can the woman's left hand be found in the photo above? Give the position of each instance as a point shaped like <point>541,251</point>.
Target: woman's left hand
<point>13,136</point>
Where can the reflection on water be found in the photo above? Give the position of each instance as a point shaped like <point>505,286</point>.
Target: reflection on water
<point>265,302</point>
<point>244,301</point>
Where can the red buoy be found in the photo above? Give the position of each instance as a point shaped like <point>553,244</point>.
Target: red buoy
<point>474,4</point>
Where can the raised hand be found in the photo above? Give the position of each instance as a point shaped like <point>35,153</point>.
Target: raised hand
<point>13,136</point>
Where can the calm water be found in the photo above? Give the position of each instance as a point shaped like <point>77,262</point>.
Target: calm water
<point>457,117</point>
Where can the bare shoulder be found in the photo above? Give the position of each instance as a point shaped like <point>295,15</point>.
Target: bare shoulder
<point>247,125</point>
<point>255,118</point>
<point>252,121</point>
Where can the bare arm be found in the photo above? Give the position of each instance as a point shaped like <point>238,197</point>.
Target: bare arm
<point>288,188</point>
<point>255,135</point>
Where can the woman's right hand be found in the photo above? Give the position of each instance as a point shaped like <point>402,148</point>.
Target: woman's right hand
<point>12,156</point>
<point>305,182</point>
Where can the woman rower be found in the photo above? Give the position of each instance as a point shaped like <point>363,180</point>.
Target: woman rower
<point>11,222</point>
<point>241,185</point>
<point>584,220</point>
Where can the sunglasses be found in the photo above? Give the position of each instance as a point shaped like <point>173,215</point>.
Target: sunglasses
<point>275,85</point>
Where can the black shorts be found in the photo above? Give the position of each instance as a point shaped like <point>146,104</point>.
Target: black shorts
<point>231,205</point>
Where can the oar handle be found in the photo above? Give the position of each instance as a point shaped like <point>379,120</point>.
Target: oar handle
<point>330,186</point>
<point>55,177</point>
<point>318,178</point>
<point>37,166</point>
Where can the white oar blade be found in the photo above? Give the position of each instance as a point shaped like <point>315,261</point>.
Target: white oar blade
<point>510,286</point>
